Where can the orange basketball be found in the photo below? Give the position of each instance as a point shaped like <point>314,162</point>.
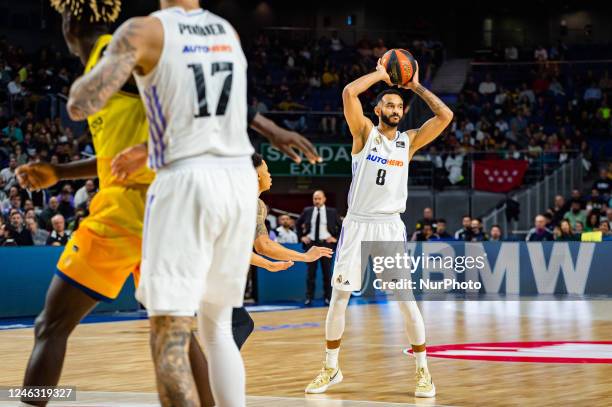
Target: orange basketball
<point>400,65</point>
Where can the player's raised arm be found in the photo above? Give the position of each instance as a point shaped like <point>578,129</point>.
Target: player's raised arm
<point>433,127</point>
<point>358,123</point>
<point>136,46</point>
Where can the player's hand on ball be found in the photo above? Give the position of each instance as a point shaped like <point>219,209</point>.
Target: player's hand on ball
<point>414,82</point>
<point>37,176</point>
<point>129,161</point>
<point>316,252</point>
<point>382,71</point>
<point>275,266</point>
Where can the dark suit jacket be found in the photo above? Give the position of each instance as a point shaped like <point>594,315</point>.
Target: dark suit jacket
<point>333,221</point>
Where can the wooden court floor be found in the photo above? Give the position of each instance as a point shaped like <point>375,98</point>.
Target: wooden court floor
<point>111,360</point>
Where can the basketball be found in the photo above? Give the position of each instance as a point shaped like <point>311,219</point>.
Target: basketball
<point>400,65</point>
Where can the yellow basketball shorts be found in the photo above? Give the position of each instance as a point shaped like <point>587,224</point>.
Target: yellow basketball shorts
<point>106,248</point>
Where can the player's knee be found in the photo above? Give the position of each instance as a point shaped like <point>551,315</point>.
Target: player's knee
<point>45,328</point>
<point>410,310</point>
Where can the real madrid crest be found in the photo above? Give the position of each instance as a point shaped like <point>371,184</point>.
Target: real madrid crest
<point>378,139</point>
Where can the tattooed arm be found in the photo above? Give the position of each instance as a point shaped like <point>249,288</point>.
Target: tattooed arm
<point>433,127</point>
<point>266,247</point>
<point>136,46</point>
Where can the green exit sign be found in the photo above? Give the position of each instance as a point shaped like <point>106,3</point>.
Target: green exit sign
<point>336,162</point>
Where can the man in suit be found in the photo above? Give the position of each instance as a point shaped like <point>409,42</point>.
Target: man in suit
<point>318,225</point>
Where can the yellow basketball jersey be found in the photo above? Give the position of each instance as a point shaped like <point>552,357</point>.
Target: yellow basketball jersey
<point>120,124</point>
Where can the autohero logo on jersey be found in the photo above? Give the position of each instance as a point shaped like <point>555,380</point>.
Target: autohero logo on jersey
<point>203,49</point>
<point>378,159</point>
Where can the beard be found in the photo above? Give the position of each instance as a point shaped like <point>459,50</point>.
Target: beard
<point>387,119</point>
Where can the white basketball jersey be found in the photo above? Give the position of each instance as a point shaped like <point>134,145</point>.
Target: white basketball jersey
<point>380,176</point>
<point>196,96</point>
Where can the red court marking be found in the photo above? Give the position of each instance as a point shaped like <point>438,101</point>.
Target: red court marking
<point>535,352</point>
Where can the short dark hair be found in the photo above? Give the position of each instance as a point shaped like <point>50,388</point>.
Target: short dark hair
<point>441,220</point>
<point>466,216</point>
<point>257,160</point>
<point>496,226</point>
<point>388,92</point>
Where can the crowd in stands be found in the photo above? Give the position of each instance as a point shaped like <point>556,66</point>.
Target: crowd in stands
<point>544,113</point>
<point>288,74</point>
<point>579,218</point>
<point>547,109</point>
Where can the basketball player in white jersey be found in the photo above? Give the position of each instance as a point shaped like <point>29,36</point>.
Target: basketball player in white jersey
<point>200,217</point>
<point>377,196</point>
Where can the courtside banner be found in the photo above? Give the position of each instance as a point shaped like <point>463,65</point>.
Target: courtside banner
<point>487,270</point>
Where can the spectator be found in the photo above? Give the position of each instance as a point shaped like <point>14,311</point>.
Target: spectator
<point>427,218</point>
<point>579,228</point>
<point>425,234</point>
<point>539,233</point>
<point>39,236</point>
<point>575,214</point>
<point>592,221</point>
<point>595,202</point>
<point>335,43</point>
<point>14,205</point>
<point>565,232</point>
<point>20,233</point>
<point>540,54</point>
<point>7,235</point>
<point>454,166</point>
<point>330,77</point>
<point>476,232</point>
<point>487,87</point>
<point>284,232</point>
<point>8,174</point>
<point>15,88</point>
<point>608,215</point>
<point>463,233</point>
<point>604,228</point>
<point>577,195</point>
<point>558,210</point>
<point>318,225</point>
<point>49,212</point>
<point>3,195</point>
<point>83,193</point>
<point>59,236</point>
<point>441,230</point>
<point>66,202</point>
<point>603,184</point>
<point>495,233</point>
<point>511,53</point>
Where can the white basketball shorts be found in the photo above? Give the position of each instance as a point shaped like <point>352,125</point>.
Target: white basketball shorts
<point>348,271</point>
<point>198,235</point>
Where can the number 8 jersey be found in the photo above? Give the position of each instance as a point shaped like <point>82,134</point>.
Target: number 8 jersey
<point>380,176</point>
<point>196,96</point>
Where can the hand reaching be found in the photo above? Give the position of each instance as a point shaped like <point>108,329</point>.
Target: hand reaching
<point>129,161</point>
<point>275,266</point>
<point>37,176</point>
<point>316,252</point>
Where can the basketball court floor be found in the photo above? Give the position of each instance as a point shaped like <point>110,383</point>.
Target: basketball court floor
<point>528,353</point>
